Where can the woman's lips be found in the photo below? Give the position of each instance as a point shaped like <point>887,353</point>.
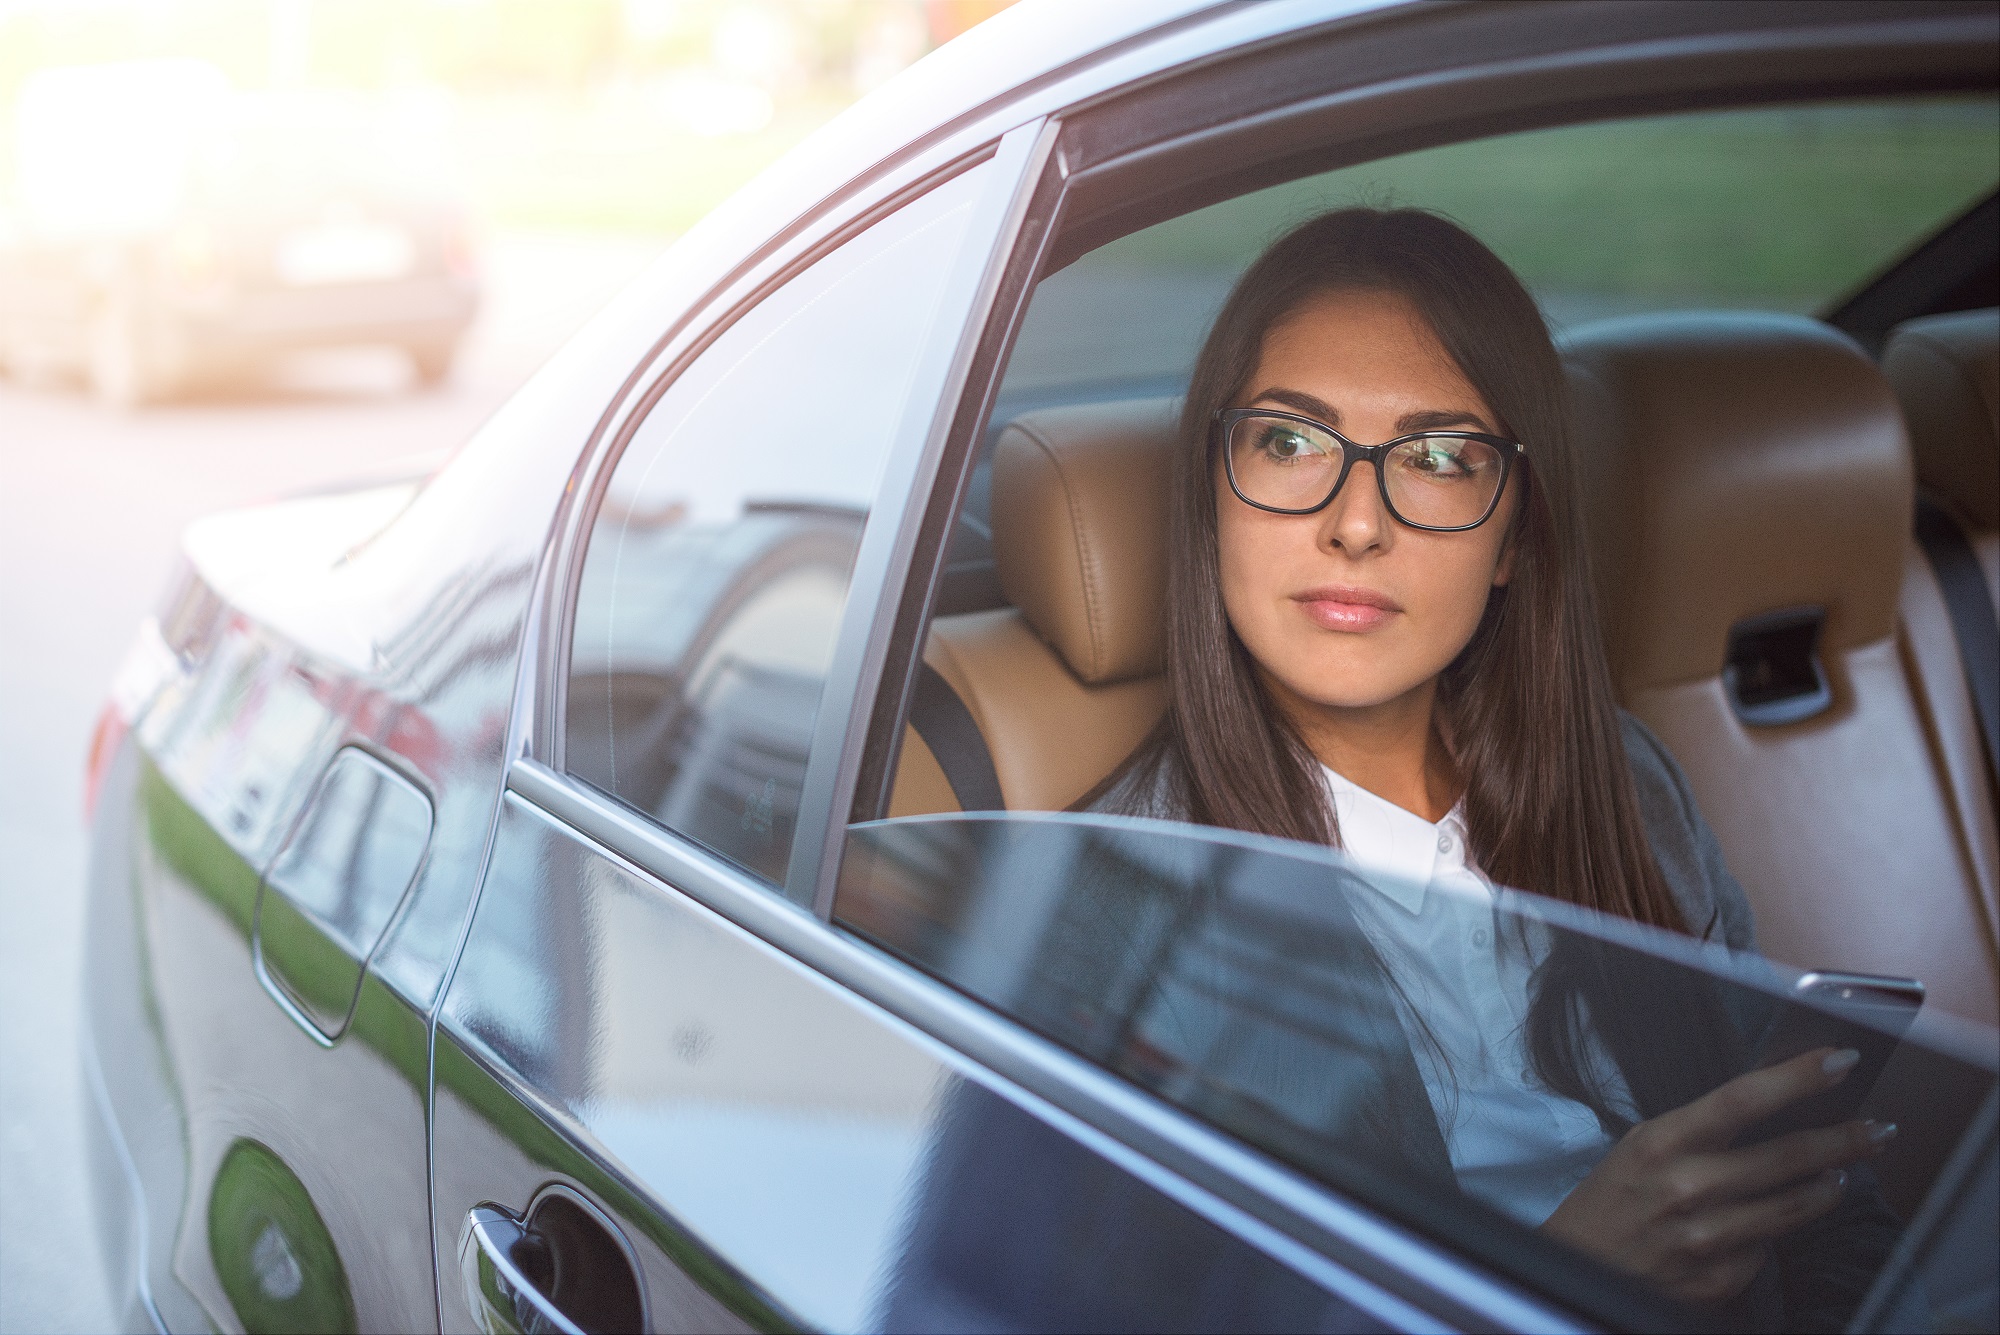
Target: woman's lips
<point>1338,607</point>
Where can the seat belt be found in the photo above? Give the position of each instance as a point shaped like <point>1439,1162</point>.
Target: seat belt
<point>948,729</point>
<point>1970,604</point>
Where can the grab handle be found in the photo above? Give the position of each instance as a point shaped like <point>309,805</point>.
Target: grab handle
<point>507,1272</point>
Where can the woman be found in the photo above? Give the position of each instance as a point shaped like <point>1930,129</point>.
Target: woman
<point>1382,634</point>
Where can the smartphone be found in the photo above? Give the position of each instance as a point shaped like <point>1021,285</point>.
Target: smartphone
<point>1865,1012</point>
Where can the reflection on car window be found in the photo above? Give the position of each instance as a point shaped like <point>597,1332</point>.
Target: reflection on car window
<point>1779,208</point>
<point>1238,978</point>
<point>717,571</point>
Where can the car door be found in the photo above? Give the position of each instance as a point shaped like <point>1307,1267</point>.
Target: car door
<point>608,1047</point>
<point>651,1108</point>
<point>1203,996</point>
<point>661,1099</point>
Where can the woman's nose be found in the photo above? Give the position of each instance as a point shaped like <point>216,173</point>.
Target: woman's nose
<point>1356,521</point>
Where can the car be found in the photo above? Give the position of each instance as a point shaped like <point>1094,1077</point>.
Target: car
<point>171,233</point>
<point>630,878</point>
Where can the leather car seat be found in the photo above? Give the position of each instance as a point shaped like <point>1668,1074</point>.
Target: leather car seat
<point>1750,465</point>
<point>1065,683</point>
<point>1945,370</point>
<point>1946,373</point>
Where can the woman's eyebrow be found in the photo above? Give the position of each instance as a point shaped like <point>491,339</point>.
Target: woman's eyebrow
<point>1427,419</point>
<point>1301,402</point>
<point>1434,419</point>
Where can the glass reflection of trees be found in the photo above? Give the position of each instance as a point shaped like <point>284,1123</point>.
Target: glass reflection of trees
<point>700,710</point>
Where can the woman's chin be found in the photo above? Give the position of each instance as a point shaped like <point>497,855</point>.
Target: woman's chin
<point>1348,690</point>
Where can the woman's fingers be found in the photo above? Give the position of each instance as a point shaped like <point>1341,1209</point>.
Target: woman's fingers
<point>1756,1169</point>
<point>1730,1229</point>
<point>1714,1120</point>
<point>1702,1181</point>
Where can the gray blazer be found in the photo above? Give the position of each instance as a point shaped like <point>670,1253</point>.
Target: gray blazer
<point>1711,902</point>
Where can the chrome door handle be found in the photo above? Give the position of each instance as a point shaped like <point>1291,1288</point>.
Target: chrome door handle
<point>506,1271</point>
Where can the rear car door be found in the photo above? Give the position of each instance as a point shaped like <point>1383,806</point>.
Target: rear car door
<point>654,1107</point>
<point>655,1068</point>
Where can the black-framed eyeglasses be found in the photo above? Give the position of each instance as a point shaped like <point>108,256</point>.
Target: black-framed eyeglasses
<point>1442,481</point>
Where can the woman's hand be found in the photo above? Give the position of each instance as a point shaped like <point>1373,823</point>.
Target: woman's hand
<point>1675,1205</point>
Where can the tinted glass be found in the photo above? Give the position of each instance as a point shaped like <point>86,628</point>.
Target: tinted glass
<point>717,571</point>
<point>1778,208</point>
<point>1251,983</point>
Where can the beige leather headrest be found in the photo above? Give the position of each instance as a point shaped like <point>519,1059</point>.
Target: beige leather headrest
<point>1760,464</point>
<point>1080,528</point>
<point>1946,370</point>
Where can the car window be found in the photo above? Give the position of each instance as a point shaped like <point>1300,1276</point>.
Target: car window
<point>717,568</point>
<point>1781,208</point>
<point>1249,982</point>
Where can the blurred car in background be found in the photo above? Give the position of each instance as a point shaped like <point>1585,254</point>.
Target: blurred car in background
<point>168,232</point>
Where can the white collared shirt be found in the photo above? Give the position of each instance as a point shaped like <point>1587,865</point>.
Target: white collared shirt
<point>1513,1144</point>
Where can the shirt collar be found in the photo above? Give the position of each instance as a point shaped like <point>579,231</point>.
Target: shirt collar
<point>1379,836</point>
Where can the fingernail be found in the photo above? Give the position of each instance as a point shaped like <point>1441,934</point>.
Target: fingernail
<point>1881,1133</point>
<point>1840,1179</point>
<point>1841,1062</point>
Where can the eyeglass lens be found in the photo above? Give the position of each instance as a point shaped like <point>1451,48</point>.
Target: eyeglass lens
<point>1437,481</point>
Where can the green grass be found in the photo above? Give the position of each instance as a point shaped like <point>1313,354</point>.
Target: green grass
<point>1786,207</point>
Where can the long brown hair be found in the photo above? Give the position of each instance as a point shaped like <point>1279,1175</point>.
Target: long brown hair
<point>1527,706</point>
<point>1549,803</point>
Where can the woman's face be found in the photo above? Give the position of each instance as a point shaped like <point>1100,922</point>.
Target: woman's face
<point>1348,608</point>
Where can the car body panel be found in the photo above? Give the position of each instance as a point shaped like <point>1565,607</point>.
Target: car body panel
<point>797,1156</point>
<point>244,713</point>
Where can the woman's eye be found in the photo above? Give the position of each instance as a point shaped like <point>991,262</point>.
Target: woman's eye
<point>1286,444</point>
<point>1438,461</point>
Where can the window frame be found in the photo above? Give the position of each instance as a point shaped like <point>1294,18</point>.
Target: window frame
<point>1189,94</point>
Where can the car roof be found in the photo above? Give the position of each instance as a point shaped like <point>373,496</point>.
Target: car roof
<point>1033,45</point>
<point>983,68</point>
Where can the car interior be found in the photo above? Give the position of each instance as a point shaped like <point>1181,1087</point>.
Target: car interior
<point>1773,604</point>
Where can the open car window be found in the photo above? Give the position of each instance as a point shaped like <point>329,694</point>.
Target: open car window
<point>1243,980</point>
<point>1787,208</point>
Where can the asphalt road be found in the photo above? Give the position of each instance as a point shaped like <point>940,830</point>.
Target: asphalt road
<point>92,502</point>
